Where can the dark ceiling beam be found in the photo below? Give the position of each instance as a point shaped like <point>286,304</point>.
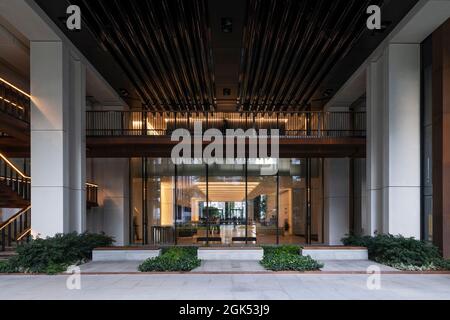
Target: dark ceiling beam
<point>165,55</point>
<point>163,46</point>
<point>346,43</point>
<point>289,47</point>
<point>337,46</point>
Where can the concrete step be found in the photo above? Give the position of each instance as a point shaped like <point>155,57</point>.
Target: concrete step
<point>224,254</point>
<point>336,253</point>
<point>5,255</point>
<point>124,254</point>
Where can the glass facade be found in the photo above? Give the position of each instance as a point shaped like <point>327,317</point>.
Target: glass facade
<point>226,205</point>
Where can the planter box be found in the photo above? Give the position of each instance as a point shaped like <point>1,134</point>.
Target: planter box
<point>336,253</point>
<point>124,254</point>
<point>242,254</point>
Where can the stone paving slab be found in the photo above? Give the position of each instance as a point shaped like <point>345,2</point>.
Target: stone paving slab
<point>219,286</point>
<point>353,266</point>
<point>231,266</point>
<point>110,266</point>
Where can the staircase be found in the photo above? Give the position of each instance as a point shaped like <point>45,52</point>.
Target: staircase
<point>15,192</point>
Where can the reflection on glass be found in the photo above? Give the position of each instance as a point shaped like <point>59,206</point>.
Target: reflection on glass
<point>191,227</point>
<point>228,204</point>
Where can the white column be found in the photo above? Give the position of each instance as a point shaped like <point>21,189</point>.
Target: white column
<point>393,166</point>
<point>77,145</point>
<point>375,162</point>
<point>57,139</point>
<point>336,200</point>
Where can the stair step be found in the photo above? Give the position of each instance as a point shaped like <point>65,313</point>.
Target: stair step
<point>6,255</point>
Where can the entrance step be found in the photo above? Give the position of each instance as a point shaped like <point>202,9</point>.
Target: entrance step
<point>236,254</point>
<point>124,254</point>
<point>6,255</point>
<point>336,253</point>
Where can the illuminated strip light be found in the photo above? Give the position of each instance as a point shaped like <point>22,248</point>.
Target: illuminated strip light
<point>14,167</point>
<point>14,87</point>
<point>91,185</point>
<point>27,177</point>
<point>26,232</point>
<point>11,103</point>
<point>226,119</point>
<point>137,125</point>
<point>14,180</point>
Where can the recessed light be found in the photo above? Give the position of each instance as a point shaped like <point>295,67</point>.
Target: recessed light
<point>124,92</point>
<point>227,25</point>
<point>226,92</point>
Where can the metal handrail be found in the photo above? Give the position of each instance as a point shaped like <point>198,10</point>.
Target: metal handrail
<point>18,181</point>
<point>290,124</point>
<point>14,217</point>
<point>13,167</point>
<point>16,228</point>
<point>14,101</point>
<point>91,193</point>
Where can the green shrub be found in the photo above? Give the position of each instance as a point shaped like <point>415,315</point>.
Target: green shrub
<point>400,252</point>
<point>55,254</point>
<point>191,251</point>
<point>172,259</point>
<point>288,258</point>
<point>7,267</point>
<point>290,262</point>
<point>289,249</point>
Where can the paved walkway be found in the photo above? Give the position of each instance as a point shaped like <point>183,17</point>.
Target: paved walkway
<point>223,286</point>
<point>110,267</point>
<point>353,266</point>
<point>230,267</point>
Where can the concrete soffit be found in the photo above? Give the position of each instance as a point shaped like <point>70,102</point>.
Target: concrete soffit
<point>32,22</point>
<point>418,24</point>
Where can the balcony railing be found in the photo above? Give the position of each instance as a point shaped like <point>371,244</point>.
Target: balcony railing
<point>91,195</point>
<point>14,101</point>
<point>289,124</point>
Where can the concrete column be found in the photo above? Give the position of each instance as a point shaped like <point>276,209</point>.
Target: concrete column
<point>336,200</point>
<point>372,222</point>
<point>77,145</point>
<point>57,139</point>
<point>393,152</point>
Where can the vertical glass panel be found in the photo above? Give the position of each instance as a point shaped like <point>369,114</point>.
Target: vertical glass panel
<point>152,194</point>
<point>159,200</point>
<point>316,201</point>
<point>264,223</point>
<point>191,219</point>
<point>293,202</point>
<point>136,223</point>
<point>227,211</point>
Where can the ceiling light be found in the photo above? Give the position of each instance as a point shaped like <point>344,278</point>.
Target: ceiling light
<point>227,25</point>
<point>124,92</point>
